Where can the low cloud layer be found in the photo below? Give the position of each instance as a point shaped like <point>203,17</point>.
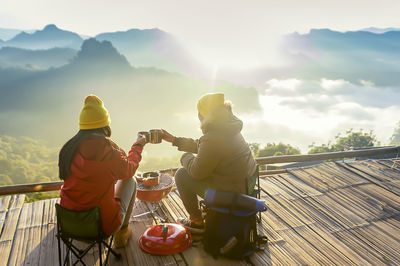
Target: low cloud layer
<point>300,112</point>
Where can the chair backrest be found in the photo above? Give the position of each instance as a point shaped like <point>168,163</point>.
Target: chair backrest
<point>252,182</point>
<point>79,224</point>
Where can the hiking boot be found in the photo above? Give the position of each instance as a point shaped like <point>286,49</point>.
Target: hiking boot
<point>122,236</point>
<point>195,227</point>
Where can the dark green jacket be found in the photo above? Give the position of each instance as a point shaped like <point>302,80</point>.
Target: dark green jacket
<point>223,157</point>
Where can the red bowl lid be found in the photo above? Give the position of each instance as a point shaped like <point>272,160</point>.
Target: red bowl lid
<point>165,239</point>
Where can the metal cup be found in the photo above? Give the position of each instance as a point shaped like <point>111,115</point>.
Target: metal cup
<point>155,136</point>
<point>146,134</point>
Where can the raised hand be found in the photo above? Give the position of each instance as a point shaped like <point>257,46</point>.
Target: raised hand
<point>141,139</point>
<point>167,136</point>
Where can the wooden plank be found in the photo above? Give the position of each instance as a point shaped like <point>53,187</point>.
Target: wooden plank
<point>29,188</point>
<point>373,174</point>
<point>295,233</point>
<point>32,241</point>
<point>386,170</point>
<point>389,202</point>
<point>18,250</point>
<point>10,225</point>
<point>385,246</point>
<point>326,156</point>
<point>323,226</point>
<point>135,255</point>
<point>348,251</point>
<point>325,245</point>
<point>310,180</point>
<point>360,247</point>
<point>391,164</point>
<point>358,203</point>
<point>390,226</point>
<point>347,195</point>
<point>270,185</point>
<point>49,245</point>
<point>4,203</point>
<point>299,187</point>
<point>331,181</point>
<point>334,169</point>
<point>389,185</point>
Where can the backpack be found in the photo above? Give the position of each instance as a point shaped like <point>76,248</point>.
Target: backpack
<point>230,224</point>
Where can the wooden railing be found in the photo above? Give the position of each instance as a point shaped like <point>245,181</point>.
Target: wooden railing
<point>51,186</point>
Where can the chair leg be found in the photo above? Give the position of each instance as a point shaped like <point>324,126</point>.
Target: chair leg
<point>66,260</point>
<point>100,253</point>
<point>59,247</point>
<point>79,254</point>
<point>117,256</point>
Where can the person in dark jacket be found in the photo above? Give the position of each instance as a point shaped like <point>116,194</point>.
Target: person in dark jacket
<point>97,173</point>
<point>223,159</point>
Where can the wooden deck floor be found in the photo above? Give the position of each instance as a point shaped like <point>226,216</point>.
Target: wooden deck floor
<point>331,213</point>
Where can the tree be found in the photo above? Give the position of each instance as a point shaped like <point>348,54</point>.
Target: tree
<point>395,139</point>
<point>272,149</point>
<point>254,147</point>
<point>349,141</point>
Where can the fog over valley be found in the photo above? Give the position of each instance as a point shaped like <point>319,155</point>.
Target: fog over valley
<point>330,82</point>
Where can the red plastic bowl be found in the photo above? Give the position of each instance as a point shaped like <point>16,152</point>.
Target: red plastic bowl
<point>155,193</point>
<point>151,181</point>
<point>165,239</point>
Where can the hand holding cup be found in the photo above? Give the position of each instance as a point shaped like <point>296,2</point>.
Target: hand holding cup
<point>167,136</point>
<point>141,139</point>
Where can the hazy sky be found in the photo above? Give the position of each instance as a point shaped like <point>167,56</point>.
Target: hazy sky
<point>218,31</point>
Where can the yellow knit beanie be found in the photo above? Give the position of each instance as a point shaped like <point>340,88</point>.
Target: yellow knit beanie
<point>93,114</point>
<point>209,102</point>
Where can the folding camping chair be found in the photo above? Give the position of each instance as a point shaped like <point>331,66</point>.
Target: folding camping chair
<point>84,226</point>
<point>253,188</point>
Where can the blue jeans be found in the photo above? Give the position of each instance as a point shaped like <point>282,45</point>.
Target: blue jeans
<point>125,190</point>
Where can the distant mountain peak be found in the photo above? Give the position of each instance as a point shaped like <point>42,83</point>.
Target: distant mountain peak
<point>50,36</point>
<point>93,50</point>
<point>50,27</point>
<point>380,30</point>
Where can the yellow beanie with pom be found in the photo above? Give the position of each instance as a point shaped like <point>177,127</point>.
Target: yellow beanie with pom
<point>209,102</point>
<point>93,114</point>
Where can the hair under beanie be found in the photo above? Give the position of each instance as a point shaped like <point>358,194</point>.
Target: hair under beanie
<point>209,102</point>
<point>93,114</point>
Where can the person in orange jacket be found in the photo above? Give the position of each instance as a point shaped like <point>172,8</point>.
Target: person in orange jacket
<point>98,173</point>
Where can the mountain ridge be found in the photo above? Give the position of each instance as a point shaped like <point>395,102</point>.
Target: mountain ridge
<point>49,37</point>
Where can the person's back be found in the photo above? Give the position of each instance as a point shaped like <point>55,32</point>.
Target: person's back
<point>95,168</point>
<point>97,173</point>
<point>223,159</point>
<point>228,153</point>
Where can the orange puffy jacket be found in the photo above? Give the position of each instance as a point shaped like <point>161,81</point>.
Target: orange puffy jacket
<point>95,168</point>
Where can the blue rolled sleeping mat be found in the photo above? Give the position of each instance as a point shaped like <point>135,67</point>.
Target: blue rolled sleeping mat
<point>233,202</point>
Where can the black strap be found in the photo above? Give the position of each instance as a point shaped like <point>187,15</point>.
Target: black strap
<point>248,260</point>
<point>233,203</point>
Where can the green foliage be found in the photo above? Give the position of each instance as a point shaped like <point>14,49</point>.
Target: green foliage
<point>272,149</point>
<point>30,197</point>
<point>395,139</point>
<point>254,147</point>
<point>24,160</point>
<point>349,141</point>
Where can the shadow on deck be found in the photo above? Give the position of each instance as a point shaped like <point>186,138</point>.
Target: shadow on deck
<point>330,213</point>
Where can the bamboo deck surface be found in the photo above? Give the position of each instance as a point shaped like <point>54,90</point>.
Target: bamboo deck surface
<point>330,214</point>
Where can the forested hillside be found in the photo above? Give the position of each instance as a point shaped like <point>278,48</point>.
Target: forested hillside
<point>25,160</point>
